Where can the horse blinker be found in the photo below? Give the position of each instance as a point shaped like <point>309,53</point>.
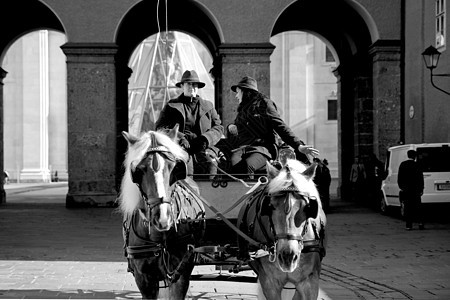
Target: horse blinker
<point>179,172</point>
<point>266,207</point>
<point>312,208</point>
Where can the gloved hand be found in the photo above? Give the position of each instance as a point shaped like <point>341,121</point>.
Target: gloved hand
<point>184,143</point>
<point>199,144</point>
<point>190,136</point>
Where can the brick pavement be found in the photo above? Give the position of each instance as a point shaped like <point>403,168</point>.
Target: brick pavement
<point>48,251</point>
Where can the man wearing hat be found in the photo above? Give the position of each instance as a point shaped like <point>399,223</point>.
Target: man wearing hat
<point>199,124</point>
<point>255,128</point>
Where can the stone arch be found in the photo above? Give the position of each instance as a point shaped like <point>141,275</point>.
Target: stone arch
<point>17,24</point>
<point>139,23</point>
<point>135,26</point>
<point>350,38</point>
<point>20,23</point>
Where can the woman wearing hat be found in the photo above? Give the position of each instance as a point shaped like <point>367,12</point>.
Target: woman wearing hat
<point>254,130</point>
<point>200,125</point>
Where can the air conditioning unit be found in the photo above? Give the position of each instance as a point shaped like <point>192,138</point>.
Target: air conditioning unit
<point>440,40</point>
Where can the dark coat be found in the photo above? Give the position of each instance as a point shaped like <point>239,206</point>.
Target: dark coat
<point>410,177</point>
<point>209,121</point>
<point>257,122</point>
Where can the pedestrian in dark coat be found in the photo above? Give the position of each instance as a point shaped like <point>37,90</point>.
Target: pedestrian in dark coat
<point>254,130</point>
<point>411,184</point>
<point>322,179</point>
<point>199,123</point>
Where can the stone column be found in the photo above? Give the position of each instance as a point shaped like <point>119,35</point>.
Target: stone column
<point>91,95</point>
<point>237,61</point>
<point>386,95</point>
<point>2,188</point>
<point>35,160</point>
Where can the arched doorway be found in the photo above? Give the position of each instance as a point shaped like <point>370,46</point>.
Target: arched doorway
<point>19,24</point>
<point>350,39</point>
<point>35,108</point>
<point>304,87</point>
<point>157,65</point>
<point>135,27</point>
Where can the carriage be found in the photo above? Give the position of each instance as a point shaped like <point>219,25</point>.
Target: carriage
<point>271,224</point>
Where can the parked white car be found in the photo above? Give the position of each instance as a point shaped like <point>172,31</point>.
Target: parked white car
<point>434,160</point>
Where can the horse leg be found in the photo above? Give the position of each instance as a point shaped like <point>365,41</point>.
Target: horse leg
<point>268,280</point>
<point>308,287</point>
<point>178,289</point>
<point>148,285</point>
<point>307,290</point>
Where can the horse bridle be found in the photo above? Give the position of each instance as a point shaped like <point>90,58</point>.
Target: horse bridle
<point>287,208</point>
<point>158,150</point>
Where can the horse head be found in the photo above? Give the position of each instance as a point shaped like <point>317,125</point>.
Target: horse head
<point>292,200</point>
<point>153,163</point>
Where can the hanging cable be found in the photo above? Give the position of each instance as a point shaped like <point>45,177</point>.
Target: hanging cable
<point>164,42</point>
<point>167,55</point>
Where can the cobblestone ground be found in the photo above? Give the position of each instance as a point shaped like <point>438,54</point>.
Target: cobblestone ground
<point>48,251</point>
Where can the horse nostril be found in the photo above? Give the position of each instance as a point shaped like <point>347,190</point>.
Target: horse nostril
<point>295,257</point>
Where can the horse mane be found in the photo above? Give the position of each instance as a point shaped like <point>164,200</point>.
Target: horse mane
<point>291,176</point>
<point>130,195</point>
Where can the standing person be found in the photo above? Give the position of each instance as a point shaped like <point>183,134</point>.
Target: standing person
<point>375,176</point>
<point>326,181</point>
<point>410,182</point>
<point>322,179</point>
<point>199,124</point>
<point>358,179</point>
<point>254,130</point>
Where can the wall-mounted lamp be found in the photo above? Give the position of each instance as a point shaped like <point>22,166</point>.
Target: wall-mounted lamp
<point>431,59</point>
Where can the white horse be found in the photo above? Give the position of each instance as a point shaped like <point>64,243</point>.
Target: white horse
<point>290,221</point>
<point>160,214</point>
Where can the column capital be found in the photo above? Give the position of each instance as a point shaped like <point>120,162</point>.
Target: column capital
<point>239,52</point>
<point>84,52</point>
<point>385,50</point>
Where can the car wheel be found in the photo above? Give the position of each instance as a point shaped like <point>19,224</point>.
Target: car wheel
<point>402,209</point>
<point>383,206</point>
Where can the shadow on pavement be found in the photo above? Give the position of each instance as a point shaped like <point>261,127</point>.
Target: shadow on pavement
<point>32,231</point>
<point>76,294</point>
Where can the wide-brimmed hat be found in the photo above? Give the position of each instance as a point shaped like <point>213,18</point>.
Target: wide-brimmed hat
<point>247,83</point>
<point>191,77</point>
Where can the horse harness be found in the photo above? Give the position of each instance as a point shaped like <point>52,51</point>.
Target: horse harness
<point>148,248</point>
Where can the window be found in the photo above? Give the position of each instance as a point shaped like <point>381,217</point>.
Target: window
<point>332,109</point>
<point>434,159</point>
<point>440,24</point>
<point>328,55</point>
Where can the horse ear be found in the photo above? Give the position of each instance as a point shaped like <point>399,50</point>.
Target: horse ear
<point>131,139</point>
<point>310,171</point>
<point>272,172</point>
<point>173,133</point>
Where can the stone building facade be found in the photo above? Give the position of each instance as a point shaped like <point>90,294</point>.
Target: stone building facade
<point>377,43</point>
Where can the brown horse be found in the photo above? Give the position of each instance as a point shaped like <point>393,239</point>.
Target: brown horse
<point>287,219</point>
<point>163,220</point>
